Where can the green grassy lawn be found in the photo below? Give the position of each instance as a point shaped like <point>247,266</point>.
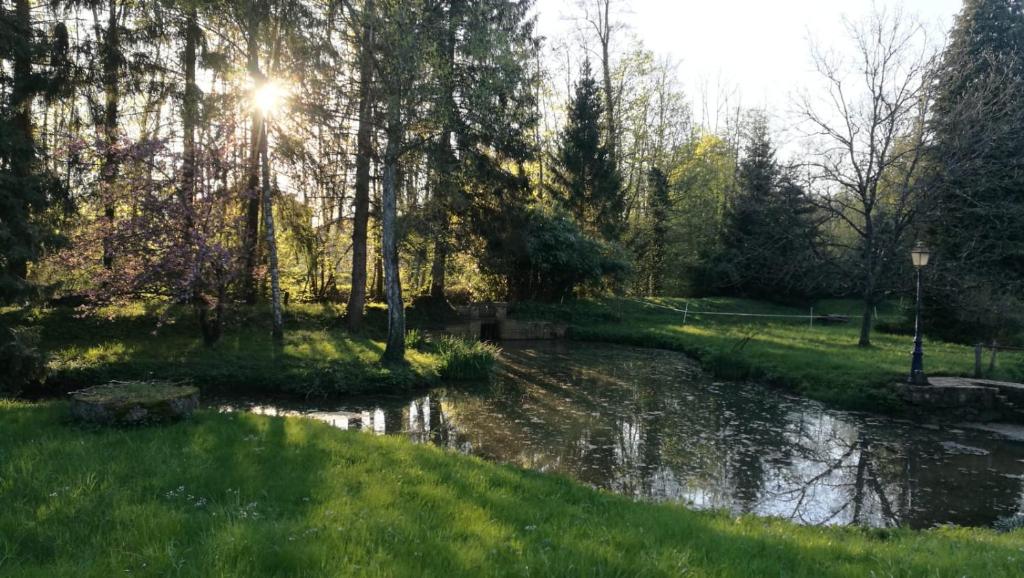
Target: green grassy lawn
<point>318,357</point>
<point>246,495</point>
<point>823,362</point>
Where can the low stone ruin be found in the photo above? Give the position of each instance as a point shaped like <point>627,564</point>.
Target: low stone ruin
<point>134,403</point>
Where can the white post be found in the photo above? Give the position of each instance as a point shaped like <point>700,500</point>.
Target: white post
<point>812,317</point>
<point>686,312</point>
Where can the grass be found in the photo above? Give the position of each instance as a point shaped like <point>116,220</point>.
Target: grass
<point>246,495</point>
<point>150,342</point>
<point>462,360</point>
<point>823,362</point>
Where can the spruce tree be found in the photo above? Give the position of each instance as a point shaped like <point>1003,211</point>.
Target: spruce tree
<point>26,189</point>
<point>584,174</point>
<point>767,247</point>
<point>978,154</point>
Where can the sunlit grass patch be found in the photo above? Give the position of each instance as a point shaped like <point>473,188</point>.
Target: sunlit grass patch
<point>318,357</point>
<point>821,361</point>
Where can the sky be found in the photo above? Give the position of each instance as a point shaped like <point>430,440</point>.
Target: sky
<point>758,49</point>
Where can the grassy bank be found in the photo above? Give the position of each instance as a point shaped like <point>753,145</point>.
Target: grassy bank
<point>822,362</point>
<point>245,495</point>
<point>318,357</point>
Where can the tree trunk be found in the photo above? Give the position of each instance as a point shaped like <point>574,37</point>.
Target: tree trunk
<point>21,100</point>
<point>440,262</point>
<point>189,117</point>
<point>251,201</point>
<point>364,150</point>
<point>869,279</point>
<point>865,324</point>
<point>377,288</point>
<point>395,349</point>
<point>112,97</point>
<point>609,89</point>
<point>268,226</point>
<point>445,162</point>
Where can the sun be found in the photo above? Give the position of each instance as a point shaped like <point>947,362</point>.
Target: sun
<point>269,97</point>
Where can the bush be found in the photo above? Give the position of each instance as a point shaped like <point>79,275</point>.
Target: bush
<point>416,339</point>
<point>21,363</point>
<point>463,360</point>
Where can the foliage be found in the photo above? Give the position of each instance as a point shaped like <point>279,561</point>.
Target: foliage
<point>29,192</point>
<point>248,495</point>
<point>462,360</point>
<point>552,258</point>
<point>977,279</point>
<point>700,186</point>
<point>650,238</point>
<point>22,365</point>
<point>770,230</point>
<point>586,180</point>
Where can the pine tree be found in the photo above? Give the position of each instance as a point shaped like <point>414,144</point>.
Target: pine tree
<point>26,189</point>
<point>585,178</point>
<point>487,112</point>
<point>978,123</point>
<point>767,247</point>
<point>650,241</point>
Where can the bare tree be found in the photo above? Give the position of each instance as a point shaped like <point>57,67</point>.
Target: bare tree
<point>869,130</point>
<point>599,17</point>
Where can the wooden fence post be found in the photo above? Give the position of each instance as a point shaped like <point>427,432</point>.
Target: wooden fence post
<point>977,360</point>
<point>992,361</point>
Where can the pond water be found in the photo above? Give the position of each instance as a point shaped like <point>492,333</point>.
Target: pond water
<point>648,424</point>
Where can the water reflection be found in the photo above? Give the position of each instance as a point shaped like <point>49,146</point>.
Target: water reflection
<point>646,424</point>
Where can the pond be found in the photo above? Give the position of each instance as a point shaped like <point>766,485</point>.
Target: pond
<point>648,424</point>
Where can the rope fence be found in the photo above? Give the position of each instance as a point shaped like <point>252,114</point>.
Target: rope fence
<point>979,349</point>
<point>687,312</point>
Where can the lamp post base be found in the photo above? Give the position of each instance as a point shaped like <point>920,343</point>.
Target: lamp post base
<point>918,378</point>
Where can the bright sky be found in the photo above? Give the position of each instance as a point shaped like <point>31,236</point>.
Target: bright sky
<point>759,47</point>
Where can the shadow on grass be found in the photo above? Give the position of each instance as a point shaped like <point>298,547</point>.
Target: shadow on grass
<point>252,496</point>
<point>314,360</point>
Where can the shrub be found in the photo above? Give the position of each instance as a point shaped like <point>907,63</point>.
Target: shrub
<point>463,360</point>
<point>21,363</point>
<point>416,339</point>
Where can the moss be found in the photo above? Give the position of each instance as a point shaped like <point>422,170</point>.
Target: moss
<point>135,393</point>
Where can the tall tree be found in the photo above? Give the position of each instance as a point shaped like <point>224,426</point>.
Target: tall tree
<point>403,34</point>
<point>486,110</point>
<point>770,229</point>
<point>27,188</point>
<point>978,156</point>
<point>364,153</point>
<point>113,62</point>
<point>599,17</point>
<point>873,145</point>
<point>253,13</point>
<point>651,247</point>
<point>584,177</point>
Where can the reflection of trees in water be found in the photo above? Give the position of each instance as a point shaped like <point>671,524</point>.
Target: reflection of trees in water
<point>637,422</point>
<point>835,477</point>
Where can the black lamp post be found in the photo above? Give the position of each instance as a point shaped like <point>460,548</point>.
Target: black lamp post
<point>919,256</point>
